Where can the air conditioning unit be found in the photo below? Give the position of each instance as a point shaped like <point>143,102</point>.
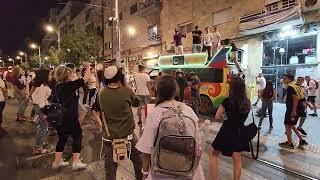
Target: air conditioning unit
<point>310,5</point>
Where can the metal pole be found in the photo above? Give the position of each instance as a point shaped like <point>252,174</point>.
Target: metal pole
<point>59,38</point>
<point>39,56</point>
<point>118,53</point>
<point>103,27</point>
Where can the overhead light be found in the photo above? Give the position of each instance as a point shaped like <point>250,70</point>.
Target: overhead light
<point>286,27</point>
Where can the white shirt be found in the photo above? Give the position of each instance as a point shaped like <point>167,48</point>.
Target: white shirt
<point>2,86</point>
<point>92,82</point>
<point>33,75</point>
<point>312,88</point>
<point>40,95</point>
<point>208,39</point>
<point>141,84</point>
<point>261,83</point>
<point>216,38</point>
<point>145,143</point>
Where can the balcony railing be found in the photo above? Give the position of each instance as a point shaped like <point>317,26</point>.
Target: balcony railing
<point>148,7</point>
<point>275,15</point>
<point>154,37</point>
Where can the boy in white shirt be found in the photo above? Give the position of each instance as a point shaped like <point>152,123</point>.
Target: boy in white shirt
<point>143,87</point>
<point>207,41</point>
<point>39,100</point>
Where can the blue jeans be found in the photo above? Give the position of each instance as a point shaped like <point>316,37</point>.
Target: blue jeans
<point>22,105</point>
<point>196,48</point>
<point>42,127</point>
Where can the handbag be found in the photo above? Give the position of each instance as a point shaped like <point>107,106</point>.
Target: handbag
<point>251,131</point>
<point>54,110</point>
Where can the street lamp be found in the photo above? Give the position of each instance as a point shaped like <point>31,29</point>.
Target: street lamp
<point>52,29</point>
<point>18,57</point>
<point>21,53</point>
<point>11,60</point>
<point>131,31</point>
<point>35,46</point>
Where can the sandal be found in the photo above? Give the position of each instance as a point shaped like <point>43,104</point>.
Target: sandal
<point>48,146</point>
<point>40,150</point>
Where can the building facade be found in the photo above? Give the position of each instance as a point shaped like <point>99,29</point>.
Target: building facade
<point>277,36</point>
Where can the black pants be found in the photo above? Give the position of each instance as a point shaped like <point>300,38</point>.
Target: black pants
<point>91,95</point>
<point>64,132</point>
<point>2,105</point>
<point>267,104</point>
<point>111,166</point>
<point>208,49</point>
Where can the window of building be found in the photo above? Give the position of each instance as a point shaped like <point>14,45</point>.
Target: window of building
<point>288,3</point>
<point>120,16</point>
<point>110,44</point>
<point>153,31</point>
<point>292,51</point>
<point>272,7</point>
<point>133,8</point>
<point>186,27</point>
<point>222,16</point>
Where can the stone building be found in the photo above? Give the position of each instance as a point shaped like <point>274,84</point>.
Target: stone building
<point>277,36</point>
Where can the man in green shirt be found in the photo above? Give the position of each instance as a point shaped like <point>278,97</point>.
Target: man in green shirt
<point>116,101</point>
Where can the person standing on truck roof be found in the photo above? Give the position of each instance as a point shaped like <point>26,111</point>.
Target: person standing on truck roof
<point>178,41</point>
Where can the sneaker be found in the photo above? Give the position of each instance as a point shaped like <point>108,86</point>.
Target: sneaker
<point>78,166</point>
<point>303,132</point>
<point>286,145</point>
<point>61,164</point>
<point>303,142</point>
<point>313,114</point>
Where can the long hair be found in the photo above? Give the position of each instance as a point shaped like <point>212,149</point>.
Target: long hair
<point>41,77</point>
<point>238,95</point>
<point>268,91</point>
<point>166,89</point>
<point>16,72</point>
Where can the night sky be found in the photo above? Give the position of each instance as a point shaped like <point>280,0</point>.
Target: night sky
<point>21,20</point>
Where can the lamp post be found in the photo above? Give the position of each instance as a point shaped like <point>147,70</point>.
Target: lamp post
<point>11,60</point>
<point>282,51</point>
<point>51,29</point>
<point>2,62</point>
<point>19,58</point>
<point>22,54</point>
<point>35,46</point>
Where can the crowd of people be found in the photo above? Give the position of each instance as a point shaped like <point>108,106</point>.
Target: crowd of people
<point>107,93</point>
<point>298,96</point>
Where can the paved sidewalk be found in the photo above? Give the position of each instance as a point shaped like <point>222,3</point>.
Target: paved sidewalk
<point>17,161</point>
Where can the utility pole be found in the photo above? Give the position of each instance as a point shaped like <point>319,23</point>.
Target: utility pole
<point>103,27</point>
<point>118,53</point>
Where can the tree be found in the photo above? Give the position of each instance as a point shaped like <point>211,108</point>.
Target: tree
<point>54,57</point>
<point>78,47</point>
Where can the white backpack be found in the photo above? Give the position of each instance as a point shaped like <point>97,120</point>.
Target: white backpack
<point>177,147</point>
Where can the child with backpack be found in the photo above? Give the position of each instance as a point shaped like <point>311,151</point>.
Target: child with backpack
<point>170,152</point>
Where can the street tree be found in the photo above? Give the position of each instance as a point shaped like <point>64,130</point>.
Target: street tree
<point>78,47</point>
